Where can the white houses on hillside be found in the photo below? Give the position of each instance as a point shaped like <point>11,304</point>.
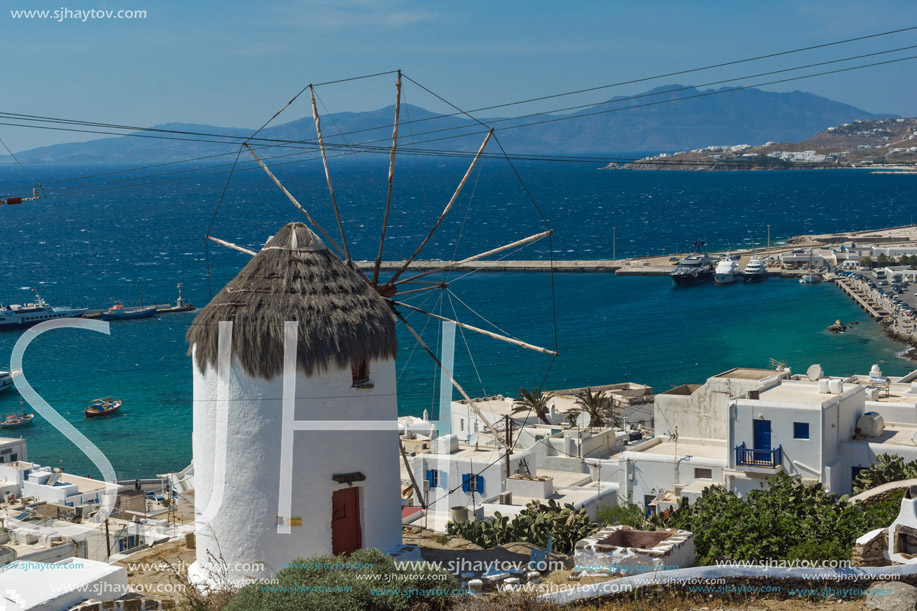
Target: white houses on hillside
<point>295,414</point>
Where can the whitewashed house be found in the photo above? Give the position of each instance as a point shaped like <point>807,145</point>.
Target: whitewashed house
<point>744,426</point>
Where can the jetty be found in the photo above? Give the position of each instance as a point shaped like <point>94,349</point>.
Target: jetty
<point>861,297</point>
<point>606,266</point>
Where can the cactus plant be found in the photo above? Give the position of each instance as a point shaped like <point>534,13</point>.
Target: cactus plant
<point>537,522</point>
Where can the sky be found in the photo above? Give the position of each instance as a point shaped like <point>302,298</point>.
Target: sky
<point>234,63</point>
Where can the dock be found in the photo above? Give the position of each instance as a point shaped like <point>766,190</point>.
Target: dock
<point>861,298</point>
<point>598,266</point>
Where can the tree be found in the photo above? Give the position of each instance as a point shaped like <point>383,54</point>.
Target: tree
<point>883,260</point>
<point>533,401</point>
<point>597,405</point>
<point>866,261</point>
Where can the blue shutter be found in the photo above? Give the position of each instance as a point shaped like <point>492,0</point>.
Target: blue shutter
<point>466,482</point>
<point>479,484</point>
<point>430,477</point>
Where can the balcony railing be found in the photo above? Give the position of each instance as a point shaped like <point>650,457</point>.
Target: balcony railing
<point>749,457</point>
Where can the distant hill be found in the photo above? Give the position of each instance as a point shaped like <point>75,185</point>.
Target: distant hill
<point>749,116</point>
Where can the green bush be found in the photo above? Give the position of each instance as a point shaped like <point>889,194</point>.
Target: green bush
<point>628,514</point>
<point>534,525</point>
<point>887,468</point>
<point>315,584</point>
<point>773,522</point>
<point>817,551</point>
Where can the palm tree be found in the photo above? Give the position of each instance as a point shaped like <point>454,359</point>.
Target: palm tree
<point>533,401</point>
<point>597,405</point>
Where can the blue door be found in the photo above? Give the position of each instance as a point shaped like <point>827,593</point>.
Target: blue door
<point>762,441</point>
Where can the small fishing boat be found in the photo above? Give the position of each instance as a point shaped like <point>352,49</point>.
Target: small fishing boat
<point>119,312</point>
<point>6,380</point>
<point>14,420</point>
<point>102,407</point>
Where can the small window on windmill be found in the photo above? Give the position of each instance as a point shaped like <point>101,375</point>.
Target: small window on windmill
<point>359,371</point>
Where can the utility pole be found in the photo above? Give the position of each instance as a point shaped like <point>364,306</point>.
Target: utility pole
<point>614,243</point>
<point>107,541</point>
<point>509,442</point>
<point>768,240</point>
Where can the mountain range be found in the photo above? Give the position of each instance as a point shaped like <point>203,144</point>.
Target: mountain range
<point>658,120</point>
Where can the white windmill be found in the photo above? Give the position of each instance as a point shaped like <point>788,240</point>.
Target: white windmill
<point>295,408</point>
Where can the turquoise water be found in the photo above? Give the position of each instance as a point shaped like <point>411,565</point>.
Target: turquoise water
<point>93,247</point>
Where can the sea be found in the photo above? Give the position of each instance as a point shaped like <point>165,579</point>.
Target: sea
<point>102,234</point>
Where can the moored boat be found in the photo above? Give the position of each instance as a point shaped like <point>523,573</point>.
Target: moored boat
<point>6,380</point>
<point>755,271</point>
<point>726,272</point>
<point>19,316</point>
<point>119,312</point>
<point>102,407</point>
<point>14,420</point>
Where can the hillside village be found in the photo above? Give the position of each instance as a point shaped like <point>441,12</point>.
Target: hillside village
<point>877,144</point>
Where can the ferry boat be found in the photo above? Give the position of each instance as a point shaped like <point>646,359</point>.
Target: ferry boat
<point>6,380</point>
<point>726,272</point>
<point>102,407</point>
<point>119,312</point>
<point>755,271</point>
<point>19,316</point>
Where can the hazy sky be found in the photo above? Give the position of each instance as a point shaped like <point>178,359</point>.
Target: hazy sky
<point>234,63</point>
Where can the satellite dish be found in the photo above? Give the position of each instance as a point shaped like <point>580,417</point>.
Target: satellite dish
<point>583,420</point>
<point>815,372</point>
<point>473,439</point>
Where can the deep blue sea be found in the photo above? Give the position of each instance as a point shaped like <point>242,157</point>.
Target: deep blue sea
<point>90,243</point>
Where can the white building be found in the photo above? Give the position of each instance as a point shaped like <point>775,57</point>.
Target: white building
<point>298,455</point>
<point>745,425</point>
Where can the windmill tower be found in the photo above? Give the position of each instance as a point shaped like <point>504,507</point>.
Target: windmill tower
<point>285,356</point>
<point>295,370</point>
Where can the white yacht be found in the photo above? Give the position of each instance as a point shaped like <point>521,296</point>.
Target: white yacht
<point>19,316</point>
<point>726,272</point>
<point>755,271</point>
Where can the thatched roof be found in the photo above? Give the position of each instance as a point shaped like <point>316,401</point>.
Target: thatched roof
<point>295,277</point>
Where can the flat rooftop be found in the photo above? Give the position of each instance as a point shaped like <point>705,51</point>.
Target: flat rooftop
<point>693,447</point>
<point>745,373</point>
<point>800,392</point>
<point>4,440</point>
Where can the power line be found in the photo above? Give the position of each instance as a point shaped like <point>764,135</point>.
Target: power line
<point>450,153</point>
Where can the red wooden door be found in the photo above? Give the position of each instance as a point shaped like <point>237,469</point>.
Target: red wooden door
<point>346,536</point>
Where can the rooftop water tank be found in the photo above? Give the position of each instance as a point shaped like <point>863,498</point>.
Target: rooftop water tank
<point>875,372</point>
<point>871,424</point>
<point>836,386</point>
<point>872,393</point>
<point>823,386</point>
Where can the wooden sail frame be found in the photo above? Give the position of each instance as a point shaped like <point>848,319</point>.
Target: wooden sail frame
<point>390,287</point>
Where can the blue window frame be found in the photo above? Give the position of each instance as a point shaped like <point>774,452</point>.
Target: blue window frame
<point>435,478</point>
<point>472,483</point>
<point>800,430</point>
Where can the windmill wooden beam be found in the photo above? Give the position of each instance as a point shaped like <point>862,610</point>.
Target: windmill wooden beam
<point>494,251</point>
<point>457,386</point>
<point>391,178</point>
<point>321,146</point>
<point>295,202</point>
<point>491,334</point>
<point>446,210</point>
